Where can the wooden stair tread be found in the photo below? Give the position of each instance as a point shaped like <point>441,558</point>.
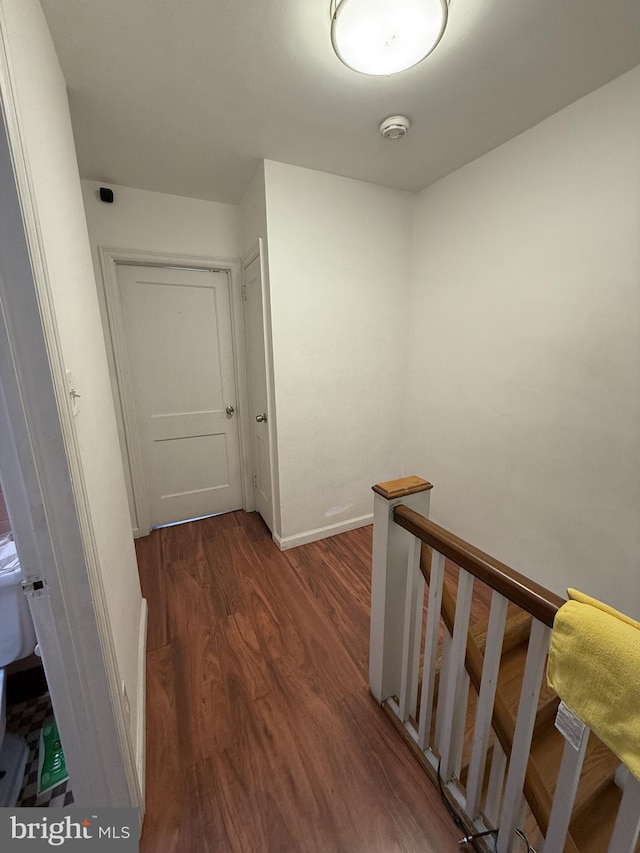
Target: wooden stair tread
<point>591,829</point>
<point>548,744</point>
<point>517,629</point>
<point>597,797</point>
<point>514,654</point>
<point>599,766</point>
<point>510,684</point>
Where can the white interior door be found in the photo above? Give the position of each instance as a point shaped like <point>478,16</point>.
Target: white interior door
<point>180,355</point>
<point>256,363</point>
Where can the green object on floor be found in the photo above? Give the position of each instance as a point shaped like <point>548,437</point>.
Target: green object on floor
<point>52,768</point>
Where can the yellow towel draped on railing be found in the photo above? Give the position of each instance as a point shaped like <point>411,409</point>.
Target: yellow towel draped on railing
<point>594,667</point>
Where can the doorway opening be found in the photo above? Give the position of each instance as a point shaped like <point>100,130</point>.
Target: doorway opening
<point>33,770</point>
<point>42,482</point>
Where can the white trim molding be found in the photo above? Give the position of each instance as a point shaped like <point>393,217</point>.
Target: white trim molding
<point>141,729</point>
<point>48,488</point>
<point>284,543</point>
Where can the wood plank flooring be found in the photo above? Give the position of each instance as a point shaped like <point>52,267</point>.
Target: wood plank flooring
<point>261,733</point>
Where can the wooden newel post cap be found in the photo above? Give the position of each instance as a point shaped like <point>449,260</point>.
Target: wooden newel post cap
<point>393,489</point>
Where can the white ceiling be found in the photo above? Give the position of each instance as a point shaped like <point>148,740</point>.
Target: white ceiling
<point>186,96</point>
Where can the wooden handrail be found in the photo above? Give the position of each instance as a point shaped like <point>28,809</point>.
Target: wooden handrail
<point>530,596</point>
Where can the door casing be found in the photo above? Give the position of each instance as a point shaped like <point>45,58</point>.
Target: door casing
<point>121,374</point>
<point>44,488</point>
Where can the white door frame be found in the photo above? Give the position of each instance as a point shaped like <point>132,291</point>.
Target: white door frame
<point>258,250</point>
<point>116,340</point>
<point>47,501</point>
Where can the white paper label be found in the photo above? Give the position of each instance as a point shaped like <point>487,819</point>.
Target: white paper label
<point>570,726</point>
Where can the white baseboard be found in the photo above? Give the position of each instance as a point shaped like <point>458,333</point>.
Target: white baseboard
<point>286,542</point>
<point>141,728</point>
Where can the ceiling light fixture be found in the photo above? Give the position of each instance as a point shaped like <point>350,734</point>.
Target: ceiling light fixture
<point>383,37</point>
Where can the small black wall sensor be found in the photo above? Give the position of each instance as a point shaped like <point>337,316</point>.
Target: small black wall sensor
<point>106,195</point>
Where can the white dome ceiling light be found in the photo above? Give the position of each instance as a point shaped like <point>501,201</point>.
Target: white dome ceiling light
<point>394,127</point>
<point>383,37</point>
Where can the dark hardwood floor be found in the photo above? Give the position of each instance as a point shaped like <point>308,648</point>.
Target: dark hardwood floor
<point>261,734</point>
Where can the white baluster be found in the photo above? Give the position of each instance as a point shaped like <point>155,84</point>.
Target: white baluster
<point>414,605</point>
<point>529,695</point>
<point>430,648</point>
<point>452,718</point>
<point>457,743</point>
<point>484,712</point>
<point>577,738</point>
<point>522,814</point>
<point>445,673</point>
<point>627,826</point>
<point>493,800</point>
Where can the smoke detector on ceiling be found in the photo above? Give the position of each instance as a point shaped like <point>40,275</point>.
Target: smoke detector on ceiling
<point>394,127</point>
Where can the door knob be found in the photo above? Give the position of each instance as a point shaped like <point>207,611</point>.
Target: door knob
<point>229,410</point>
<point>261,418</point>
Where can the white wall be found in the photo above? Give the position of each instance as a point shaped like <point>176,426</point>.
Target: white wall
<point>155,222</point>
<point>523,403</point>
<point>48,140</point>
<point>339,269</point>
<point>253,211</point>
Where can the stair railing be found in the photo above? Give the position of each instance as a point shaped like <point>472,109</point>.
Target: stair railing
<point>404,648</point>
